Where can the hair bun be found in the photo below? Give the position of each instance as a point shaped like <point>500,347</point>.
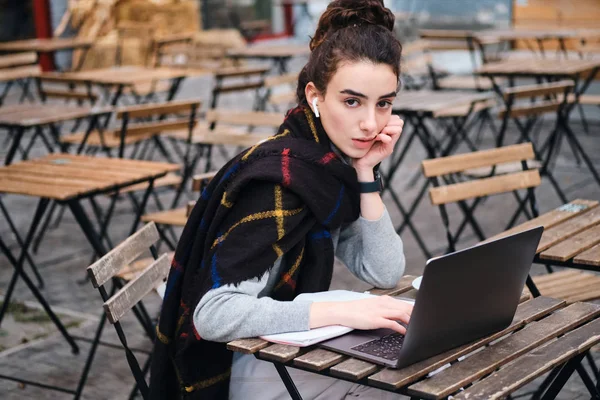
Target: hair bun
<point>344,13</point>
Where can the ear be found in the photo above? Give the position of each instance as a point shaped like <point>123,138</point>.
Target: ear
<point>311,92</point>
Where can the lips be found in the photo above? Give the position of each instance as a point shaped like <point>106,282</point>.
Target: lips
<point>362,143</point>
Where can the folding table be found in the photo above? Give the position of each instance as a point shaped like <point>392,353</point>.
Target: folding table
<point>70,179</point>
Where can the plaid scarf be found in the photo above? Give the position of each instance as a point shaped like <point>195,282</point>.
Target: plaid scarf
<point>280,197</point>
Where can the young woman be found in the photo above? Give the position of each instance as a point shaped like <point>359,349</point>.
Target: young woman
<point>269,224</point>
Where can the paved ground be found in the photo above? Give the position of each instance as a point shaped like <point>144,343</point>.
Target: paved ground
<point>64,254</point>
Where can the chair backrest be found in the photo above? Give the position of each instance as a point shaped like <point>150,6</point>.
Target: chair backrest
<point>18,60</point>
<point>147,120</point>
<point>481,187</point>
<point>531,102</point>
<point>67,89</point>
<point>280,90</point>
<point>249,119</point>
<point>245,78</point>
<point>128,296</point>
<point>493,182</point>
<point>554,94</point>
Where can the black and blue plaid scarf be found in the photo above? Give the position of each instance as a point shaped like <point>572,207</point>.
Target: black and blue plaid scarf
<point>282,197</point>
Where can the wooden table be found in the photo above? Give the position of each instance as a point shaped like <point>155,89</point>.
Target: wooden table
<point>20,118</point>
<point>514,356</point>
<point>279,54</point>
<point>70,179</point>
<point>417,108</point>
<point>50,45</point>
<point>571,235</point>
<point>127,77</point>
<point>582,72</point>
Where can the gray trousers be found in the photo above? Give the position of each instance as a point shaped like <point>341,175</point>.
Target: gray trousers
<point>255,379</point>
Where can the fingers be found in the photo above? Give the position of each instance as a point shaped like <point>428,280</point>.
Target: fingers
<point>393,325</point>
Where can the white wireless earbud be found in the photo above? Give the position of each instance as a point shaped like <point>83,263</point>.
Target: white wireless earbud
<point>315,109</point>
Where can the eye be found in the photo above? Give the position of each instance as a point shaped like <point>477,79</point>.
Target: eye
<point>385,104</point>
<point>352,102</point>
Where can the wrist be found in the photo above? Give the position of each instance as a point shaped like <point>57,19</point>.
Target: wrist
<point>365,174</point>
<point>324,314</point>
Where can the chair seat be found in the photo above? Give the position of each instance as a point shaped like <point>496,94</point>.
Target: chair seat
<point>176,217</point>
<point>220,136</point>
<point>171,179</point>
<point>130,271</point>
<point>570,285</point>
<point>466,82</point>
<point>111,138</point>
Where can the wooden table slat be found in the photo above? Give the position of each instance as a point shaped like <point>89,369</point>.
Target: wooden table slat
<point>88,172</point>
<point>552,218</point>
<point>569,248</point>
<point>247,346</point>
<point>115,163</point>
<point>487,360</point>
<point>354,369</point>
<point>534,364</point>
<point>573,226</point>
<point>589,257</point>
<point>404,285</point>
<point>318,359</point>
<point>526,312</point>
<point>550,279</point>
<point>280,352</point>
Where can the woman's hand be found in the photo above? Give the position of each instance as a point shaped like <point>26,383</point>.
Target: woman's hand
<point>373,313</point>
<point>383,145</point>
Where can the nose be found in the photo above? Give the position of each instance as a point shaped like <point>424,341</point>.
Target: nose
<point>368,124</point>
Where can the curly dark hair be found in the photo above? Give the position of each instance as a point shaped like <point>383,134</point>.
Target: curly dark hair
<point>350,30</point>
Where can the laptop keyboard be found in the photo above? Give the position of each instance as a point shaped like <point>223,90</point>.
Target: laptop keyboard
<point>386,347</point>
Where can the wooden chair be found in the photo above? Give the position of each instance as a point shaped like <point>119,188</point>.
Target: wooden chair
<point>449,40</point>
<point>525,105</point>
<point>66,89</point>
<point>455,189</point>
<point>280,93</point>
<point>139,126</point>
<point>237,80</point>
<point>111,268</point>
<point>223,127</point>
<point>167,219</point>
<point>20,69</point>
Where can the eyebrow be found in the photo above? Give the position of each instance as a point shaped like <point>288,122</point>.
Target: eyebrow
<point>364,96</point>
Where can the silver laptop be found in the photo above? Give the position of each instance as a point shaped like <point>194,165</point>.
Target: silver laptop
<point>463,296</point>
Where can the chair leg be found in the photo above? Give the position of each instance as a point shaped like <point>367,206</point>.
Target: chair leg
<point>145,369</point>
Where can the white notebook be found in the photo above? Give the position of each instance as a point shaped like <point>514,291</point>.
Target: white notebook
<point>307,338</point>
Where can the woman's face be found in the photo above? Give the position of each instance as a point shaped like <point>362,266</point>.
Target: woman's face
<point>357,105</point>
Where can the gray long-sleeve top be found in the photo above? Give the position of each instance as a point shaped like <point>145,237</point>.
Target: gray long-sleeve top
<point>372,250</point>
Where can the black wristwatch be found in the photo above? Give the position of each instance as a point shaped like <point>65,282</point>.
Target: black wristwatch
<point>372,187</point>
